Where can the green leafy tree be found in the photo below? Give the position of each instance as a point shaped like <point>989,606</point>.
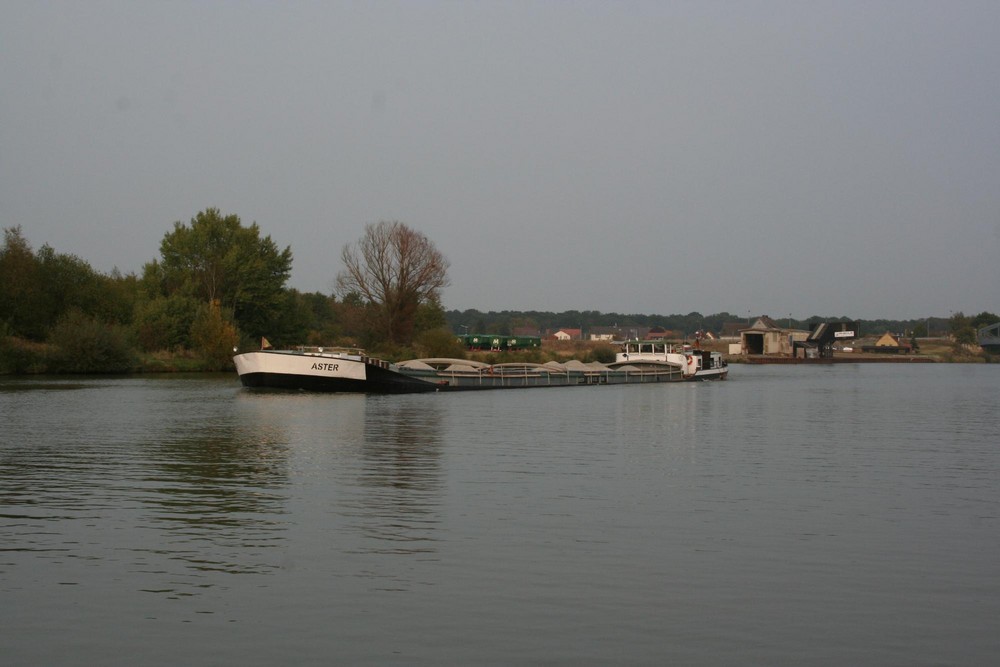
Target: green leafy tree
<point>394,270</point>
<point>118,296</point>
<point>164,323</point>
<point>307,317</point>
<point>37,289</point>
<point>19,286</point>
<point>216,259</point>
<point>962,329</point>
<point>214,337</point>
<point>67,282</point>
<point>430,315</point>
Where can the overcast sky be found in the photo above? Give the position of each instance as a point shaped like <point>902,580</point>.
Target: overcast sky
<point>803,158</point>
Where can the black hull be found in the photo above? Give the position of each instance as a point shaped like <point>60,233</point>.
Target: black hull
<point>380,381</point>
<point>707,377</point>
<point>396,383</point>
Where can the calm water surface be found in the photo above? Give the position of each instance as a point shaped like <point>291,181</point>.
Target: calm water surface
<point>789,516</point>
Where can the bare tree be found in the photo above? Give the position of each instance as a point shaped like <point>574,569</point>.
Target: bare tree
<point>394,269</point>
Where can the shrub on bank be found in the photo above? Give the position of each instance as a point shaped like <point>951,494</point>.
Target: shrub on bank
<point>19,356</point>
<point>439,343</point>
<point>603,353</point>
<point>82,344</point>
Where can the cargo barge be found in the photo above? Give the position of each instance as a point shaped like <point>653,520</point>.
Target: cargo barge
<point>347,370</point>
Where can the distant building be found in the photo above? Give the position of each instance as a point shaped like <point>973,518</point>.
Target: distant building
<point>888,344</point>
<point>606,334</point>
<point>657,333</point>
<point>989,337</point>
<point>568,334</point>
<point>636,333</point>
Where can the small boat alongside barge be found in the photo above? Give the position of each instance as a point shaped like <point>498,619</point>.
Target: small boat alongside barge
<point>347,370</point>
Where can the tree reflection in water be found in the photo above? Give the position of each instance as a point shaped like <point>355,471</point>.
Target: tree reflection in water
<point>164,482</point>
<point>219,492</point>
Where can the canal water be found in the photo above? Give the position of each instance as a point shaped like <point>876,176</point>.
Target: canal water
<point>791,515</point>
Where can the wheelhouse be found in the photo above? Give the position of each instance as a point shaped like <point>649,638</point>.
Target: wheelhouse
<point>644,347</point>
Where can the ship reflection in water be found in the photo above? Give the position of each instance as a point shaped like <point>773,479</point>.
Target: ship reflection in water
<point>368,473</point>
<point>400,478</point>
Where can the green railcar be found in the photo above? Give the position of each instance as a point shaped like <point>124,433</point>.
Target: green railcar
<point>523,343</point>
<point>483,341</point>
<point>498,342</point>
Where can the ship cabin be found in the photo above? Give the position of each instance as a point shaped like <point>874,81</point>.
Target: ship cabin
<point>644,350</point>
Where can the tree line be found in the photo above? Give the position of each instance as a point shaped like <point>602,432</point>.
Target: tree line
<point>217,285</point>
<point>963,328</point>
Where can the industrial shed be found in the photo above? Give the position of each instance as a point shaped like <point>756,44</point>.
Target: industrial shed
<point>765,336</point>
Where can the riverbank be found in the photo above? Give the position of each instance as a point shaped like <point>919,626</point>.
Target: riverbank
<point>928,350</point>
<point>22,357</point>
<point>18,357</point>
<point>869,359</point>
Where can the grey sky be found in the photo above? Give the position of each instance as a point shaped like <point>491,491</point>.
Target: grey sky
<point>833,158</point>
